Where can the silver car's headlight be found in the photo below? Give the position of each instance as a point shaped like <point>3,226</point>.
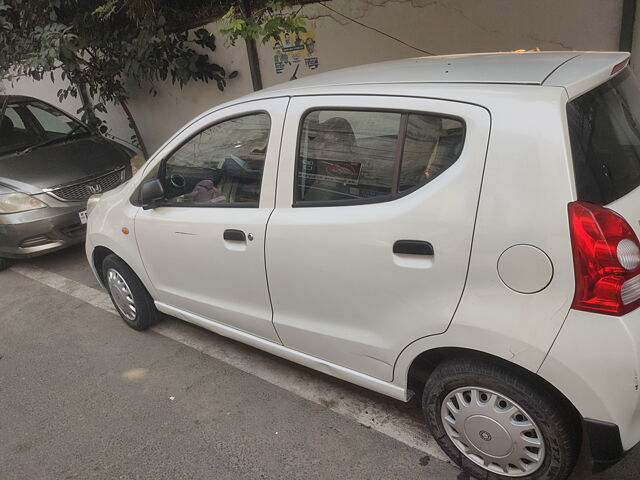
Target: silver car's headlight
<point>92,202</point>
<point>19,202</point>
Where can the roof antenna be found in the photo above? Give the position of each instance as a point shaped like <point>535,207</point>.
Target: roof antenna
<point>295,73</point>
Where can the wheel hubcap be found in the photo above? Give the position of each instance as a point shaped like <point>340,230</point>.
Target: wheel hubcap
<point>493,431</point>
<point>121,294</point>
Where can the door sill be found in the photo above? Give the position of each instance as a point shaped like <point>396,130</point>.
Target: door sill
<point>315,363</point>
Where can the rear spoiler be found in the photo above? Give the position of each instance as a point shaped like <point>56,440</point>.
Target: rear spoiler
<point>586,71</point>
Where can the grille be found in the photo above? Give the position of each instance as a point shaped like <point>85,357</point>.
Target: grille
<point>82,191</point>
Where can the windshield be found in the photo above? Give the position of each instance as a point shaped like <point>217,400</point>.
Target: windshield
<point>604,126</point>
<point>28,124</point>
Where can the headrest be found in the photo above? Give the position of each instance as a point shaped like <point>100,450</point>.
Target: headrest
<point>336,134</point>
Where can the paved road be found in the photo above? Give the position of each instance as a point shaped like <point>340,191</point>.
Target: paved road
<point>82,396</point>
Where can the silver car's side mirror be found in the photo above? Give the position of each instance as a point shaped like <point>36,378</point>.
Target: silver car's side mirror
<point>150,193</point>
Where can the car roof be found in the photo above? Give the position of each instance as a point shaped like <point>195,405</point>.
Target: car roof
<point>522,68</point>
<point>15,98</point>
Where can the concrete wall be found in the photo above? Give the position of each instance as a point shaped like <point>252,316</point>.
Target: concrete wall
<point>438,26</point>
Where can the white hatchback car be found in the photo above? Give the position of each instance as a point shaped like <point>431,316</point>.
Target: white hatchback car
<point>461,227</point>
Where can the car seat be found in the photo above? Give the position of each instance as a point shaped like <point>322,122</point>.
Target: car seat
<point>334,141</point>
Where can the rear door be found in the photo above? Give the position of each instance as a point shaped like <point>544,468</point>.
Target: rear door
<point>368,247</point>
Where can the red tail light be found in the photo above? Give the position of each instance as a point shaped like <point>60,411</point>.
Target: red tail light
<point>606,259</point>
<point>619,66</point>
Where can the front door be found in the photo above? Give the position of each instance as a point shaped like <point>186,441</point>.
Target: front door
<point>368,247</point>
<point>203,245</point>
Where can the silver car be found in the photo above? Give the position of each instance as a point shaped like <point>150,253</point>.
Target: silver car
<point>50,164</point>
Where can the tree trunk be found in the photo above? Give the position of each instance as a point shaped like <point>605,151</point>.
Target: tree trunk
<point>252,50</point>
<point>134,126</point>
<point>87,104</point>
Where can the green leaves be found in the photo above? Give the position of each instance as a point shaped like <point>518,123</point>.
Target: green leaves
<point>106,10</point>
<point>269,22</point>
<point>102,47</point>
<point>105,45</point>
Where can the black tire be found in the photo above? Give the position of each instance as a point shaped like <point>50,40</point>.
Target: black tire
<point>560,433</point>
<point>146,314</point>
<point>5,263</point>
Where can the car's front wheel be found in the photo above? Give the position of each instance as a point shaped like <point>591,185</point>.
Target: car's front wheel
<point>496,424</point>
<point>128,294</point>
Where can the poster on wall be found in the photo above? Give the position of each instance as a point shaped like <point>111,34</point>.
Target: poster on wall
<point>294,53</point>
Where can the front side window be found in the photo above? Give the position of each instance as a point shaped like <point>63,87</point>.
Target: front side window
<point>219,166</point>
<point>14,134</point>
<point>355,156</point>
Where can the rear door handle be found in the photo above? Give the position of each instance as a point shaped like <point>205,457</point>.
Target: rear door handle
<point>236,235</point>
<point>413,247</point>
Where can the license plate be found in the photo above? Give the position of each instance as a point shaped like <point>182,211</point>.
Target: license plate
<point>83,217</point>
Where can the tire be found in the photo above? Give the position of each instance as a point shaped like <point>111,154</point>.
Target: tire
<point>500,394</point>
<point>5,263</point>
<point>132,293</point>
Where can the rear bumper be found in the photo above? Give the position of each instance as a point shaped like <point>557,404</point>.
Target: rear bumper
<point>595,363</point>
<point>33,233</point>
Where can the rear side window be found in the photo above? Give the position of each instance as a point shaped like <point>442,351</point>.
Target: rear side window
<point>605,139</point>
<point>350,157</point>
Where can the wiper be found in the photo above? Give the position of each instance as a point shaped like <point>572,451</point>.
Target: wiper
<point>51,141</point>
<point>4,108</point>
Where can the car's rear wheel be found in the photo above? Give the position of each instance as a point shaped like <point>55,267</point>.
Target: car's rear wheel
<point>128,294</point>
<point>495,424</point>
<point>5,263</point>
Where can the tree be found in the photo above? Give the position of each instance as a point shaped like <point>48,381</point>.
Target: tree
<point>101,45</point>
<point>266,20</point>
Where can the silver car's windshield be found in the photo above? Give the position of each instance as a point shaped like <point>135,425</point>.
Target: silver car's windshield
<point>26,125</point>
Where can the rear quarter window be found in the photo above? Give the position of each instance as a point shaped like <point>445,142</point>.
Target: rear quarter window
<point>604,130</point>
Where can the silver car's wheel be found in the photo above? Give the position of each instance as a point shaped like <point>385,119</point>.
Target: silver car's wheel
<point>493,431</point>
<point>121,294</point>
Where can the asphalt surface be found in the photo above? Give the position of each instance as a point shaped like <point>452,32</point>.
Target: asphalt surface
<point>82,396</point>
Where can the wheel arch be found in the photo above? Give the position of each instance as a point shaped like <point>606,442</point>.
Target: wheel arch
<point>426,362</point>
<point>104,246</point>
<point>99,254</point>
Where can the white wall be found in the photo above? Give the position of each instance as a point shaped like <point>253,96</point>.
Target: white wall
<point>439,26</point>
<point>160,116</point>
<point>456,26</point>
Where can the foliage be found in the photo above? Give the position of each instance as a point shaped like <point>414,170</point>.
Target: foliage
<point>268,21</point>
<point>103,46</point>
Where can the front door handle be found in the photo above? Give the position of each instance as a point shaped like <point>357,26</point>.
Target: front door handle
<point>236,235</point>
<point>413,247</point>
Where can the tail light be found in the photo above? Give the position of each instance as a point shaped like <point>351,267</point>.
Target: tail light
<point>619,66</point>
<point>606,259</point>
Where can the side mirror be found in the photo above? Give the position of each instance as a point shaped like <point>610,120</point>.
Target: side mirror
<point>150,192</point>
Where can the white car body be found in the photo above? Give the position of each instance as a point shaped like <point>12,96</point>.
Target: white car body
<point>321,287</point>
